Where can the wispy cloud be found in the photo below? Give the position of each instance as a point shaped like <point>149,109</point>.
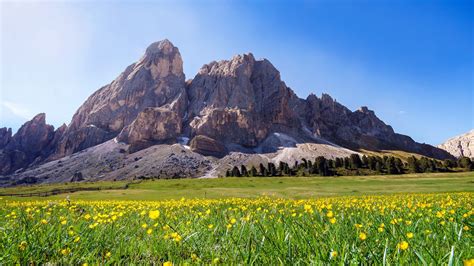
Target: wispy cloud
<point>17,109</point>
<point>402,112</point>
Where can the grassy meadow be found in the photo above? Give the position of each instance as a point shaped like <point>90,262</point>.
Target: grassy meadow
<point>252,187</point>
<point>423,219</point>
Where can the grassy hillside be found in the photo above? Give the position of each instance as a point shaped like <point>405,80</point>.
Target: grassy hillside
<point>403,155</point>
<point>286,187</point>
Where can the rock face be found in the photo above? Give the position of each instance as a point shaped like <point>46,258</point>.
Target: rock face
<point>460,146</point>
<point>332,121</point>
<point>33,142</point>
<point>207,146</point>
<point>155,80</point>
<point>236,105</point>
<point>244,95</point>
<point>152,126</point>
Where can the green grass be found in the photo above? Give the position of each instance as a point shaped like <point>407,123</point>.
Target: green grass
<point>415,229</point>
<point>371,220</point>
<point>61,186</point>
<point>282,187</point>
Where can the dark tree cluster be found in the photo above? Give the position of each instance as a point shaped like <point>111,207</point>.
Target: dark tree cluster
<point>354,165</point>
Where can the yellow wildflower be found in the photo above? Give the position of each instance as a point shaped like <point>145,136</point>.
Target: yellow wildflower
<point>154,214</point>
<point>403,245</point>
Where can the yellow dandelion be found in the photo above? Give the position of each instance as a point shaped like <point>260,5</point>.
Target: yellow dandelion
<point>403,245</point>
<point>362,236</point>
<point>154,214</point>
<point>333,254</point>
<point>65,251</point>
<point>410,235</point>
<point>469,262</point>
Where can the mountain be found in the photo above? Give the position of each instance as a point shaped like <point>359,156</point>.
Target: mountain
<point>236,110</point>
<point>460,146</point>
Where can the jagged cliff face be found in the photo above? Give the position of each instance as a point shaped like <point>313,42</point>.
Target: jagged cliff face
<point>156,80</point>
<point>244,95</point>
<point>460,146</point>
<point>33,142</point>
<point>229,104</point>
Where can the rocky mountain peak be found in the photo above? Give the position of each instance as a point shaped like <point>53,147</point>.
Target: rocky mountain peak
<point>39,119</point>
<point>5,136</point>
<point>462,145</point>
<point>365,110</point>
<point>161,47</point>
<point>157,79</point>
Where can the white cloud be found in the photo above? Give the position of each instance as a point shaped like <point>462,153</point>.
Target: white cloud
<point>17,109</point>
<point>401,112</point>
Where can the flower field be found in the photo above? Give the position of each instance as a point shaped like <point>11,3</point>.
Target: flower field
<point>401,228</point>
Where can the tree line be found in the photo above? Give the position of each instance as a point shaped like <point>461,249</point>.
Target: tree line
<point>354,165</point>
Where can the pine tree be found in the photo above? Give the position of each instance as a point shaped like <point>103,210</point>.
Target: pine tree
<point>263,170</point>
<point>347,162</point>
<point>378,167</point>
<point>281,167</point>
<point>305,163</point>
<point>413,165</point>
<point>243,170</point>
<point>466,163</point>
<point>355,161</point>
<point>321,166</point>
<point>448,163</point>
<point>371,162</point>
<point>365,161</point>
<point>272,169</point>
<point>235,171</point>
<point>390,165</point>
<point>253,171</point>
<point>399,165</point>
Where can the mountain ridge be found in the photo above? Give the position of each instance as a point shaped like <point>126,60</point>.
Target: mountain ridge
<point>150,103</point>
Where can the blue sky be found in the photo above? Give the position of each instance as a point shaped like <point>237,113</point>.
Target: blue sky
<point>410,61</point>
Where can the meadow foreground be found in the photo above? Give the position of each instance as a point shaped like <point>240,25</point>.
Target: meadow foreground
<point>405,228</point>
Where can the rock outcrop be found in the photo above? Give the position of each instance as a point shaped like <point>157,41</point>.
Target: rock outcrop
<point>240,101</point>
<point>460,146</point>
<point>152,126</point>
<point>208,146</point>
<point>33,142</point>
<point>361,129</point>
